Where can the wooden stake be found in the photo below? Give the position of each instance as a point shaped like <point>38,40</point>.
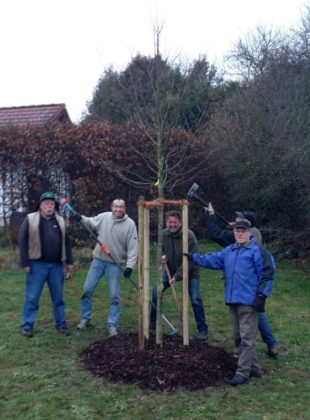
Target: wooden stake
<point>146,271</point>
<point>185,275</point>
<point>141,317</point>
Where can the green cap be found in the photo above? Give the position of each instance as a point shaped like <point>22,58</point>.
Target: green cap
<point>48,196</point>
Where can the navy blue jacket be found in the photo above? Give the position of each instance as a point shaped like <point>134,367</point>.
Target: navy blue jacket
<point>221,236</point>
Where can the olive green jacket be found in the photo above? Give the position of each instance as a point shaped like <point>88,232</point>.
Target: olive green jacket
<point>172,248</point>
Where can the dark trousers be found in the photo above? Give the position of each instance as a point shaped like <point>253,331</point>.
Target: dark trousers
<point>196,301</point>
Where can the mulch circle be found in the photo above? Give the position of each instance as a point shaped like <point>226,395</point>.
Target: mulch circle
<point>119,360</point>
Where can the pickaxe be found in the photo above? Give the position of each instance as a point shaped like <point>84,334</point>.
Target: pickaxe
<point>193,195</point>
<point>64,203</point>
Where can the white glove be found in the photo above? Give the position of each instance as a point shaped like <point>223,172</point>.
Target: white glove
<point>210,208</point>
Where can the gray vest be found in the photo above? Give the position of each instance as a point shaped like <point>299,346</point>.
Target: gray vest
<point>34,242</point>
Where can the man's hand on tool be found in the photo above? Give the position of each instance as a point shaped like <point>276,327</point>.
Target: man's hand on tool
<point>76,216</point>
<point>172,281</point>
<point>127,272</point>
<point>210,208</point>
<point>163,259</point>
<point>188,255</point>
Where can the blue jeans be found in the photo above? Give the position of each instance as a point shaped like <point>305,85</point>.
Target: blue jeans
<point>40,272</point>
<point>196,301</point>
<point>265,330</point>
<point>113,273</point>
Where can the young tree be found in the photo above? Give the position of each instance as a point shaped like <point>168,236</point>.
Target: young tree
<point>160,100</point>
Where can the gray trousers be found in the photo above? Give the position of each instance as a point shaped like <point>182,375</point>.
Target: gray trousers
<point>244,321</point>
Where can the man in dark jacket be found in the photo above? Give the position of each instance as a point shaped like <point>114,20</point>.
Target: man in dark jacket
<point>226,237</point>
<point>172,249</point>
<point>44,249</point>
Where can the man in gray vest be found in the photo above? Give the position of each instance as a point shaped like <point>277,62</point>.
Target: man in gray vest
<point>44,248</point>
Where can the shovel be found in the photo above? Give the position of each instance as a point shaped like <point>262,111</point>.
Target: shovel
<point>175,296</point>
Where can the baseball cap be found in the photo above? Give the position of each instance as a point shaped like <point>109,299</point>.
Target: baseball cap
<point>249,215</point>
<point>243,223</point>
<point>48,196</point>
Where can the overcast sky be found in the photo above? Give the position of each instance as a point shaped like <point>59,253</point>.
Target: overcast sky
<point>54,51</point>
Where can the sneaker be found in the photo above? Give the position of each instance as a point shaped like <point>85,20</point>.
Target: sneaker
<point>84,323</point>
<point>203,335</point>
<point>64,331</point>
<point>238,380</point>
<point>272,351</point>
<point>112,331</point>
<point>27,333</point>
<point>255,373</point>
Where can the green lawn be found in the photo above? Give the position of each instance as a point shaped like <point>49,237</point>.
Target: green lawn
<point>41,377</point>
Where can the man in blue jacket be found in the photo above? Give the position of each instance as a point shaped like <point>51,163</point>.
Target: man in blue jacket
<point>249,272</point>
<point>226,237</point>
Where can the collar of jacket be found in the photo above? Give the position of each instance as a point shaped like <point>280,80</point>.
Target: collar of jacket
<point>177,234</point>
<point>119,220</point>
<point>249,244</point>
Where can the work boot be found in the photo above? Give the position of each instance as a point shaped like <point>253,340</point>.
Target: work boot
<point>112,331</point>
<point>64,331</point>
<point>238,380</point>
<point>255,373</point>
<point>272,351</point>
<point>203,335</point>
<point>27,333</point>
<point>84,323</point>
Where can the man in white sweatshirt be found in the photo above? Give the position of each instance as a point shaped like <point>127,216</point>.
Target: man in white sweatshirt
<point>118,233</point>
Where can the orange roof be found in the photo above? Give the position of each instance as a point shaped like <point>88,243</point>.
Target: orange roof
<point>34,115</point>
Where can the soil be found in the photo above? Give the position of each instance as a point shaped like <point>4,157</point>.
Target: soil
<point>119,360</point>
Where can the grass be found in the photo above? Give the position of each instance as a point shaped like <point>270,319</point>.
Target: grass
<point>41,378</point>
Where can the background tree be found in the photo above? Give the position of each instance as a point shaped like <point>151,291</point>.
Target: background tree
<point>261,135</point>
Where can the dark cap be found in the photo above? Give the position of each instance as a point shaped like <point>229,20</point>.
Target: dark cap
<point>248,215</point>
<point>48,196</point>
<point>243,224</point>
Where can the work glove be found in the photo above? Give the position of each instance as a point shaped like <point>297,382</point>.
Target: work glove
<point>188,255</point>
<point>260,303</point>
<point>76,216</point>
<point>127,272</point>
<point>210,208</point>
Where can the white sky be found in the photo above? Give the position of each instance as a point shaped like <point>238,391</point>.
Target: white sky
<point>54,51</point>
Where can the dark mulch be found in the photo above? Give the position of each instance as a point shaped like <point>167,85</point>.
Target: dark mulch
<point>119,360</point>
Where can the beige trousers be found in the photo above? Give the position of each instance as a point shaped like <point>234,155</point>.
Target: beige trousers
<point>244,321</point>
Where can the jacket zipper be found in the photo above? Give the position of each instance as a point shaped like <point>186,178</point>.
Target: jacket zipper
<point>233,275</point>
